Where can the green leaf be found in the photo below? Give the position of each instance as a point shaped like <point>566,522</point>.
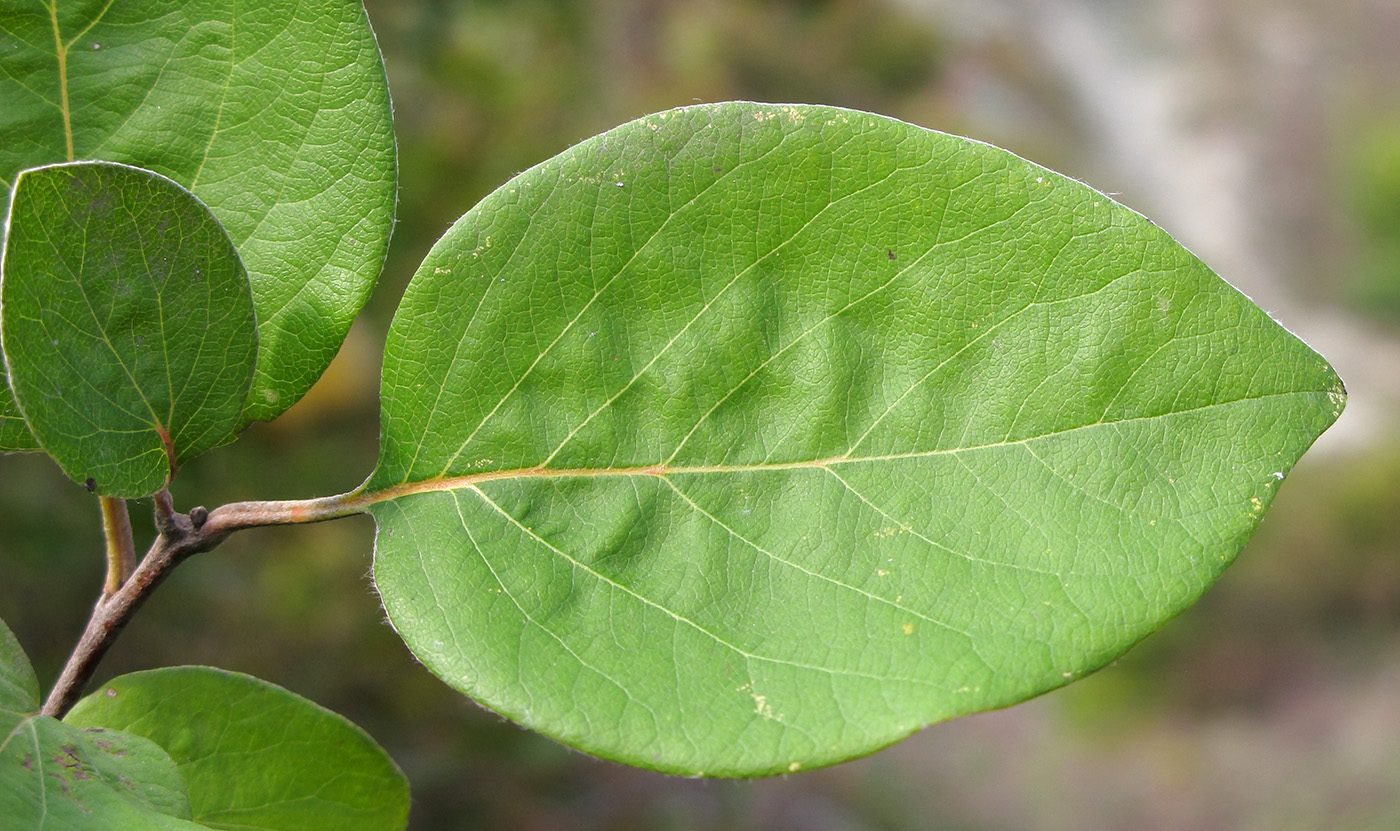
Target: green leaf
<point>253,754</point>
<point>742,439</point>
<point>60,778</point>
<point>128,324</point>
<point>19,688</point>
<point>275,115</point>
<point>53,776</point>
<point>14,433</point>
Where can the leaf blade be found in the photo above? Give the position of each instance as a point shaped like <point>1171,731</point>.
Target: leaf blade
<point>53,775</point>
<point>129,329</point>
<point>277,118</point>
<point>61,777</point>
<point>14,433</point>
<point>775,433</point>
<point>253,754</point>
<point>19,687</point>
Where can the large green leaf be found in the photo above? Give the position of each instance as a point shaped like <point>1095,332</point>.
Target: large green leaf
<point>128,324</point>
<point>742,438</point>
<point>253,754</point>
<point>275,115</point>
<point>61,778</point>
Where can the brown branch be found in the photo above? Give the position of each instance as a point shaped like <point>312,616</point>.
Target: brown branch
<point>180,535</point>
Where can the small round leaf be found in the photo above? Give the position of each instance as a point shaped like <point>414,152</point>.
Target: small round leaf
<point>254,755</point>
<point>128,324</point>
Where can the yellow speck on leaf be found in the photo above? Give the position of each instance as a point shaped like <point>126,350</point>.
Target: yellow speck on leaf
<point>761,706</point>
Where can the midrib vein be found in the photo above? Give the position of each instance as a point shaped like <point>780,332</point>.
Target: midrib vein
<point>364,499</point>
<point>61,53</point>
<point>452,483</point>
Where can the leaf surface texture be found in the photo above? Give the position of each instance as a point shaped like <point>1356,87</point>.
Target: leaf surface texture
<point>743,439</point>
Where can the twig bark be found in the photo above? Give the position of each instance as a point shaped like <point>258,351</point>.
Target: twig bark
<point>179,536</point>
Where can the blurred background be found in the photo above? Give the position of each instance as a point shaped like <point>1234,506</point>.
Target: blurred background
<point>1264,134</point>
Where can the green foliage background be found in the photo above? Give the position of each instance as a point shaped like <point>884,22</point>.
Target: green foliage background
<point>1269,704</point>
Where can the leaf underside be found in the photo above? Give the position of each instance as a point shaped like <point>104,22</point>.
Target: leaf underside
<point>276,116</point>
<point>743,439</point>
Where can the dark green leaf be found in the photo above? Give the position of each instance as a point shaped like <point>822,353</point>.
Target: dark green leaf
<point>743,439</point>
<point>253,754</point>
<point>57,777</point>
<point>14,433</point>
<point>19,689</point>
<point>275,115</point>
<point>128,323</point>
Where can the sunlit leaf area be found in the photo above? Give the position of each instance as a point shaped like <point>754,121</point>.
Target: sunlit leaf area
<point>1265,140</point>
